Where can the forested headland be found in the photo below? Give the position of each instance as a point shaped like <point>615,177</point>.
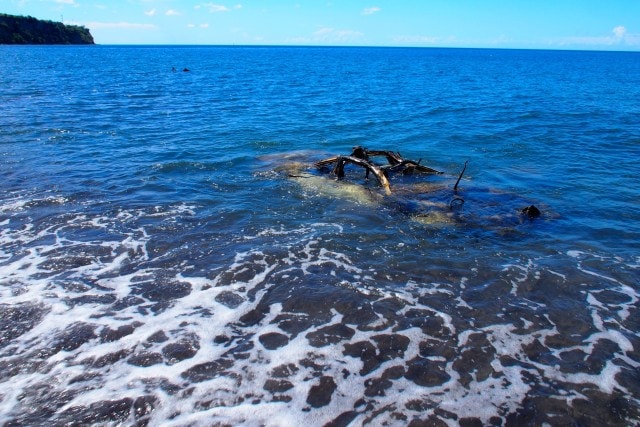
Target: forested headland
<point>29,30</point>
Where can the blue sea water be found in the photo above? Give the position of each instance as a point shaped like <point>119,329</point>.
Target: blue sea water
<point>169,255</point>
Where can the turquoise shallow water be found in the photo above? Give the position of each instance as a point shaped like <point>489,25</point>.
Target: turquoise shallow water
<point>169,256</point>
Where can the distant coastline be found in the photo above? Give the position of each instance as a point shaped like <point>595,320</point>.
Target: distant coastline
<point>28,30</point>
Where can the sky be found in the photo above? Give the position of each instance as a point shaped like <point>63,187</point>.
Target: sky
<point>528,24</point>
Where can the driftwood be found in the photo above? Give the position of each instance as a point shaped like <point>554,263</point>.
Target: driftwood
<point>360,156</point>
<point>455,187</point>
<point>341,161</point>
<point>395,160</point>
<point>395,163</point>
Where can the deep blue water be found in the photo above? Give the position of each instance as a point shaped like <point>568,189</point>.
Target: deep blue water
<point>170,256</point>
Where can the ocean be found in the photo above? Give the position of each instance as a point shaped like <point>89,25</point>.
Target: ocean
<point>170,254</point>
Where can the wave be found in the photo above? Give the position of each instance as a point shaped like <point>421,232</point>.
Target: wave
<point>286,325</point>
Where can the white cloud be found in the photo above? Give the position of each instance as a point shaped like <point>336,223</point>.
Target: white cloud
<point>172,12</point>
<point>327,34</point>
<point>61,4</point>
<point>216,8</point>
<point>415,39</point>
<point>204,25</point>
<point>371,10</point>
<point>632,39</point>
<point>323,32</point>
<point>619,31</point>
<point>423,40</point>
<point>151,12</point>
<point>110,25</point>
<point>622,36</point>
<point>619,37</point>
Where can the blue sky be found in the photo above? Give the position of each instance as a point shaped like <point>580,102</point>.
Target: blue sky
<point>541,24</point>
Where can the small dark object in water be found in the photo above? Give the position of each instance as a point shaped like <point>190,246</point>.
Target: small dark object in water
<point>531,212</point>
<point>360,153</point>
<point>185,70</point>
<point>456,202</point>
<point>455,187</point>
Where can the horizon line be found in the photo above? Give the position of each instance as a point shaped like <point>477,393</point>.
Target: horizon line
<point>556,49</point>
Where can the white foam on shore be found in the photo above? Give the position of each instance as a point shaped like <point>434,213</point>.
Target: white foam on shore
<point>43,274</point>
